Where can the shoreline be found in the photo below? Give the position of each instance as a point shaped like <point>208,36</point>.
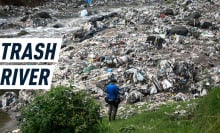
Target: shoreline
<point>11,124</point>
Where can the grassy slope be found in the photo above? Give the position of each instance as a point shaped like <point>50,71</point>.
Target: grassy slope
<point>204,118</point>
<point>208,113</point>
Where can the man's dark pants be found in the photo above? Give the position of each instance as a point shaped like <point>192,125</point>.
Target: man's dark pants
<point>112,109</point>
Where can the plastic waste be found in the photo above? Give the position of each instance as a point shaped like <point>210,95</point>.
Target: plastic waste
<point>84,13</point>
<point>166,84</point>
<point>162,36</point>
<point>88,69</point>
<point>137,76</point>
<point>134,97</point>
<point>207,34</point>
<point>203,92</point>
<point>153,90</point>
<point>140,77</point>
<point>109,70</point>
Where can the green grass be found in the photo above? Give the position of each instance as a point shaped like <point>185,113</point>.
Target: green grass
<point>203,116</point>
<point>208,113</point>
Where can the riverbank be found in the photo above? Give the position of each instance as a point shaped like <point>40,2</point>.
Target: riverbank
<point>8,121</point>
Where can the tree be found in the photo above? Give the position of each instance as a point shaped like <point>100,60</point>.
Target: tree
<point>61,111</point>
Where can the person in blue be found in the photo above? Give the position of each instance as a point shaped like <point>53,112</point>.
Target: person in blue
<point>89,2</point>
<point>112,99</point>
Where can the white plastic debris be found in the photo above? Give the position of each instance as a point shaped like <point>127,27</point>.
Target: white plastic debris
<point>137,76</point>
<point>162,36</point>
<point>84,13</point>
<point>203,92</point>
<point>207,34</point>
<point>153,90</point>
<point>181,96</point>
<point>16,131</point>
<point>166,84</point>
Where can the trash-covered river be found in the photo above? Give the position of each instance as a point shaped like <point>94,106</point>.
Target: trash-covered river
<point>157,53</point>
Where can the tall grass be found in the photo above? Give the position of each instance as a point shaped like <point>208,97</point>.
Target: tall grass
<point>208,113</point>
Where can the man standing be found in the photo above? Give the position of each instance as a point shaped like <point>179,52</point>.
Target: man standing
<point>112,99</point>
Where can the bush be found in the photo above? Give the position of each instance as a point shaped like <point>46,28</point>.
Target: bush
<point>61,111</point>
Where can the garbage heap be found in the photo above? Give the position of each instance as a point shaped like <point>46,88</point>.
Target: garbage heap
<point>156,52</point>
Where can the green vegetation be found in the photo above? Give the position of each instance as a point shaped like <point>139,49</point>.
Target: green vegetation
<point>61,111</point>
<point>208,113</point>
<point>201,116</point>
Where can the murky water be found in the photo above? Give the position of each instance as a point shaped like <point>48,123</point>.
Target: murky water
<point>69,26</point>
<point>6,122</point>
<point>4,118</point>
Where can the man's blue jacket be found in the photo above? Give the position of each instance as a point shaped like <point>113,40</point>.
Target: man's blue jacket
<point>112,91</point>
<point>89,1</point>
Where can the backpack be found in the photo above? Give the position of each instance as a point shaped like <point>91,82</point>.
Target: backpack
<point>112,102</point>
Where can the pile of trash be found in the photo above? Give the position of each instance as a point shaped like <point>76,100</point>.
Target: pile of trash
<point>167,49</point>
<point>8,100</point>
<point>11,101</point>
